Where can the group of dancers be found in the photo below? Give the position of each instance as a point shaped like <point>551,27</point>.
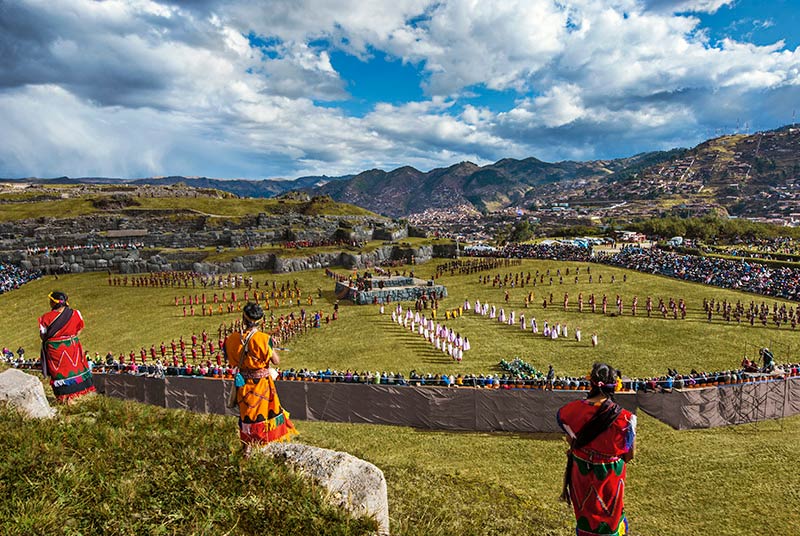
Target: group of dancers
<point>553,332</point>
<point>443,338</point>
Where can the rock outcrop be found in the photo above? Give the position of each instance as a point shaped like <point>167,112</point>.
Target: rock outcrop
<point>25,393</point>
<point>351,483</point>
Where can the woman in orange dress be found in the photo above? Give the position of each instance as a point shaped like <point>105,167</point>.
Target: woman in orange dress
<point>261,417</point>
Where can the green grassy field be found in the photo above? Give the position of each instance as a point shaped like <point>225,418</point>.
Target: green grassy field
<point>121,319</point>
<point>725,481</point>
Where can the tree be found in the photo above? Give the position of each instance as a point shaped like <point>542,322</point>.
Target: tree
<point>521,232</point>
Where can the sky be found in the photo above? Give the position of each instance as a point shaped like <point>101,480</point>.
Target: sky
<point>289,88</point>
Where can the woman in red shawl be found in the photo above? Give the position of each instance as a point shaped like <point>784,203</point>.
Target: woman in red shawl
<point>63,358</point>
<point>601,438</point>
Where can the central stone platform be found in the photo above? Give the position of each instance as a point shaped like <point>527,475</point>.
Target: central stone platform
<point>383,289</point>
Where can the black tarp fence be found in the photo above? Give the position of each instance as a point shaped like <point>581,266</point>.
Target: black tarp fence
<point>463,408</point>
<point>724,405</point>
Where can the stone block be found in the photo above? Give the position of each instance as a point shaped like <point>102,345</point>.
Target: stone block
<point>351,483</point>
<point>25,393</point>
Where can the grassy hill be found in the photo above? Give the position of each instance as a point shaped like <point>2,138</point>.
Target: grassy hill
<point>744,175</point>
<point>71,201</point>
<point>719,481</point>
<point>112,467</point>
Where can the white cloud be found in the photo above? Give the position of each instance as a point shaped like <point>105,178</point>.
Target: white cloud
<point>687,6</point>
<point>143,87</point>
<point>498,44</point>
<point>561,105</point>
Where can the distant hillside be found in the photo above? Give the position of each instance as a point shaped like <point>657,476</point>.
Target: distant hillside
<point>30,200</point>
<point>744,175</point>
<point>505,183</point>
<point>741,175</point>
<point>239,187</point>
<point>755,176</point>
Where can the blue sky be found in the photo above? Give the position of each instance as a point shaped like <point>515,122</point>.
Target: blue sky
<point>285,88</point>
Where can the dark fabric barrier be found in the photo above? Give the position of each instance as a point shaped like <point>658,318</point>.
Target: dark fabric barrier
<point>724,405</point>
<point>464,409</point>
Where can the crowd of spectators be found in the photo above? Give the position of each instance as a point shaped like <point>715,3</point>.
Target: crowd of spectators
<point>12,277</point>
<point>550,251</point>
<point>107,246</point>
<point>782,245</point>
<point>781,282</point>
<point>516,374</point>
<point>300,244</point>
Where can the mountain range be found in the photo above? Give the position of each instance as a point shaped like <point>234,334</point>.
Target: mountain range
<point>741,175</point>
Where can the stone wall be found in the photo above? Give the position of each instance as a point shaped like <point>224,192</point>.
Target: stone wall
<point>389,294</point>
<point>132,261</point>
<point>183,229</point>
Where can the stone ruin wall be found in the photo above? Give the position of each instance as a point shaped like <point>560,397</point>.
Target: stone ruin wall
<point>186,229</point>
<point>142,261</point>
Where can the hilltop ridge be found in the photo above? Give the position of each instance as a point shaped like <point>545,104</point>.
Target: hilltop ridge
<point>738,175</point>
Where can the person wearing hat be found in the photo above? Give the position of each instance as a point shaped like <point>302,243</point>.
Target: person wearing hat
<point>62,355</point>
<point>601,438</point>
<point>251,353</point>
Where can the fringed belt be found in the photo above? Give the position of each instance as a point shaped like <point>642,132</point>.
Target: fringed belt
<point>256,374</point>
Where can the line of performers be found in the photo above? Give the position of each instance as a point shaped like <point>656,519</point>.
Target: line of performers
<point>553,332</point>
<point>442,338</point>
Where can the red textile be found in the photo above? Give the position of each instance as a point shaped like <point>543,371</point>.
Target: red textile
<point>598,470</point>
<point>67,366</point>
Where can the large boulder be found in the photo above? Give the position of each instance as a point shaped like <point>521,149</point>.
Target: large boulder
<point>25,393</point>
<point>351,483</point>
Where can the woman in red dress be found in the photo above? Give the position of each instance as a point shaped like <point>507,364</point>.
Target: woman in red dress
<point>63,358</point>
<point>601,437</point>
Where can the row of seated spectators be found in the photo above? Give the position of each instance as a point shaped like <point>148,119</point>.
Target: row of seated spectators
<point>528,374</point>
<point>506,380</point>
<point>555,251</point>
<point>783,245</point>
<point>107,246</point>
<point>12,277</point>
<point>674,380</point>
<point>299,244</point>
<point>664,383</point>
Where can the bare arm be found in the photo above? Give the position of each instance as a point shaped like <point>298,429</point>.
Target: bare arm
<point>276,359</point>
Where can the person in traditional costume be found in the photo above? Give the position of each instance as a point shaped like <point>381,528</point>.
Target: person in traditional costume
<point>601,437</point>
<point>261,417</point>
<point>63,358</point>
